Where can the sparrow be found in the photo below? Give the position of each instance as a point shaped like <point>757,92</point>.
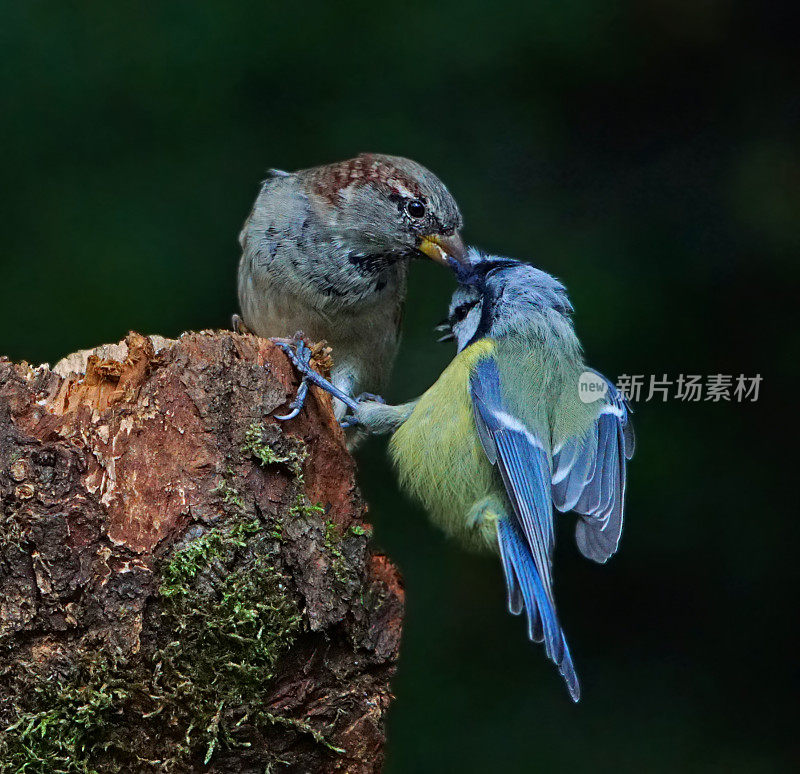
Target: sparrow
<point>326,251</point>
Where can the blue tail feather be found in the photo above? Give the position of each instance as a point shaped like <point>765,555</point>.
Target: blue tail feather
<point>520,572</point>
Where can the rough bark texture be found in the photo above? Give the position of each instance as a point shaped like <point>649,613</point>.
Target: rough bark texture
<point>185,583</point>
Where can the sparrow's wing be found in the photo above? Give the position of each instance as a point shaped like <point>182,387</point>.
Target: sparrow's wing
<point>589,477</point>
<point>526,542</point>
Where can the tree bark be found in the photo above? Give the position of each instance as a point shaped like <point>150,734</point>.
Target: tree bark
<point>186,584</point>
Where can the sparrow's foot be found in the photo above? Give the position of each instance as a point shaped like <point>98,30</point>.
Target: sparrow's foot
<point>299,353</point>
<point>237,323</point>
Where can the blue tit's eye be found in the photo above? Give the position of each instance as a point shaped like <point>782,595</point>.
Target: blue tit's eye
<point>415,208</point>
<point>461,311</point>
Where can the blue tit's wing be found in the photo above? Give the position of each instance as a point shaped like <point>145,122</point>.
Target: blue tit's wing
<point>589,477</point>
<point>522,462</point>
<point>526,543</point>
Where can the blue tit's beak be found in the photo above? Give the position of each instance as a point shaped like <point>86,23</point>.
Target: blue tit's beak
<point>444,327</point>
<point>444,249</point>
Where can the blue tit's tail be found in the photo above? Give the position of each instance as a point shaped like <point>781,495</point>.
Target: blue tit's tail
<point>522,579</point>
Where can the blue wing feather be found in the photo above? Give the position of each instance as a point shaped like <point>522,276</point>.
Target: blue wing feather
<point>564,459</point>
<point>516,601</point>
<point>526,542</point>
<point>590,478</point>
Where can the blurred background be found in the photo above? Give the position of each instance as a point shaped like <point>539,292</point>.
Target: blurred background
<point>644,152</point>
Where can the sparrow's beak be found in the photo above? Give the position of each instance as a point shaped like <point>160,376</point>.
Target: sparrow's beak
<point>439,248</point>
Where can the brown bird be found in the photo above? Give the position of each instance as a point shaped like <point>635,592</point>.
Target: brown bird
<point>326,251</point>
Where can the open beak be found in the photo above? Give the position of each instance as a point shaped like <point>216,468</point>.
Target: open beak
<point>439,248</point>
<point>444,327</point>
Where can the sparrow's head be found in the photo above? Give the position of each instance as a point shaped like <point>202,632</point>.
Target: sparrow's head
<point>383,208</point>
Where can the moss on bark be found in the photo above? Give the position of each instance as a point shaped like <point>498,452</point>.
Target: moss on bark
<point>186,583</point>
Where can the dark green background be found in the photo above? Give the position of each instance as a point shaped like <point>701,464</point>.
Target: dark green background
<point>642,151</point>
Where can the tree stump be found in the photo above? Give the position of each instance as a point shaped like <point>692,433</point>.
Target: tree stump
<point>186,584</point>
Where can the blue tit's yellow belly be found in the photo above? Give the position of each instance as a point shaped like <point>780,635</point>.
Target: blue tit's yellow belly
<point>437,451</point>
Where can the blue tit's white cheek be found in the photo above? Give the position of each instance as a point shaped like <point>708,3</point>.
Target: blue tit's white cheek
<point>465,329</point>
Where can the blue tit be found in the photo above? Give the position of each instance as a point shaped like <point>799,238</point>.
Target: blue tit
<point>506,433</point>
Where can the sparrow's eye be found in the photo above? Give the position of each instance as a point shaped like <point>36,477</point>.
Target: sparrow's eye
<point>415,208</point>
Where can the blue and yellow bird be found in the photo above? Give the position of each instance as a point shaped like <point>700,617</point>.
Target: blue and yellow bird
<point>515,425</point>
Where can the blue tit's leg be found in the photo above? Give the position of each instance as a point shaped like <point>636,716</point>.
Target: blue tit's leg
<point>483,516</point>
<point>300,355</point>
<point>356,418</point>
<point>377,418</point>
<point>364,415</point>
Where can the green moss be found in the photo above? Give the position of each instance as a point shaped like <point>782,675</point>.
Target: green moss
<point>332,537</point>
<point>333,540</point>
<point>277,529</point>
<point>357,529</point>
<point>294,456</point>
<point>299,725</point>
<point>303,507</point>
<point>229,495</point>
<point>62,736</point>
<point>215,544</point>
<point>227,641</point>
<point>227,617</point>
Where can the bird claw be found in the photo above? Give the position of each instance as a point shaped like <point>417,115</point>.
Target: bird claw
<point>238,326</point>
<point>299,354</point>
<point>370,396</point>
<point>296,406</point>
<point>351,420</point>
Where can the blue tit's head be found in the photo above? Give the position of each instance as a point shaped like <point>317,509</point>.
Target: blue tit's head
<point>500,296</point>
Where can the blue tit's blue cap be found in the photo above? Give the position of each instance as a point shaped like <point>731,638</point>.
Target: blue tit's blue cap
<point>476,265</point>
